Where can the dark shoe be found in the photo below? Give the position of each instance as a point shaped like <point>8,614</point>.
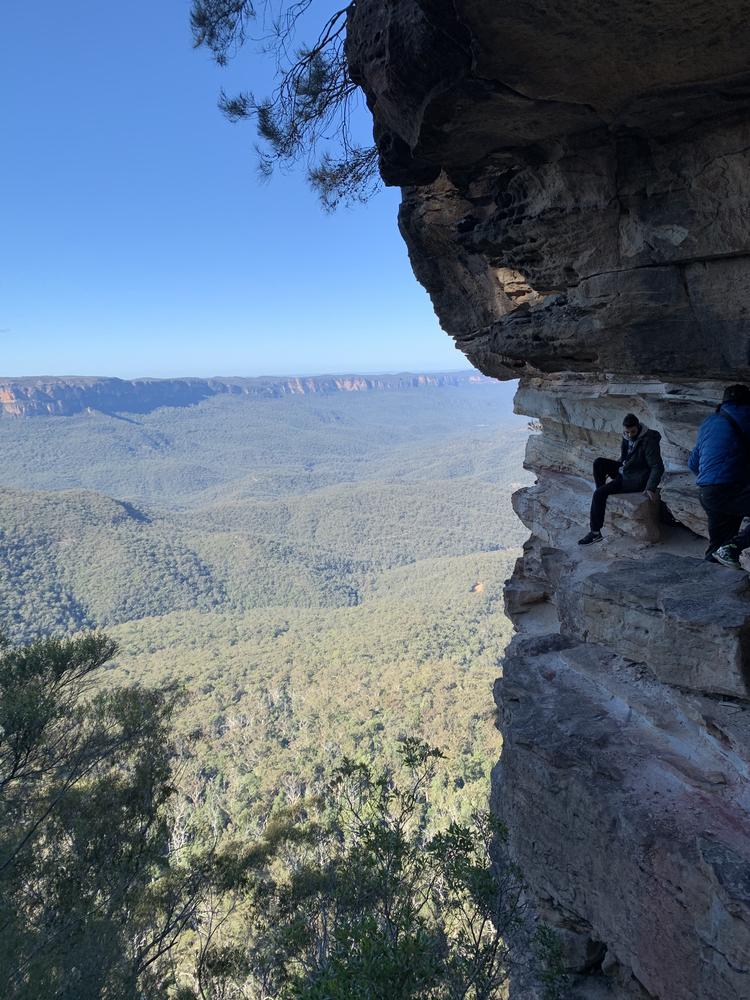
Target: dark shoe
<point>728,555</point>
<point>593,536</point>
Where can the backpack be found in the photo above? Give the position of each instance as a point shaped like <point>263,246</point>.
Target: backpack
<point>744,439</point>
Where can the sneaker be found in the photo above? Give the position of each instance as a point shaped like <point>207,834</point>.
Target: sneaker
<point>593,536</point>
<point>728,555</point>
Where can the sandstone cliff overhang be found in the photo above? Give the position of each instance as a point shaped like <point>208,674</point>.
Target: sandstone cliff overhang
<point>576,200</point>
<point>575,176</point>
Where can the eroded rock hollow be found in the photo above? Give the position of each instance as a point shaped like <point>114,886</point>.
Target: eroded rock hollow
<point>576,201</point>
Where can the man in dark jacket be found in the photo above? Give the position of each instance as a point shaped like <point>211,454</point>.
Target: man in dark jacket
<point>721,462</point>
<point>640,468</point>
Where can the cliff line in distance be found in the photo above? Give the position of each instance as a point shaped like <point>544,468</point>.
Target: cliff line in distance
<point>65,396</point>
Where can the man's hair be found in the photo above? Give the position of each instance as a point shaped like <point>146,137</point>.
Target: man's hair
<point>630,420</point>
<point>737,394</point>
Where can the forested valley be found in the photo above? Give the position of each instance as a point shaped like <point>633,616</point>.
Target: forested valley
<point>308,583</point>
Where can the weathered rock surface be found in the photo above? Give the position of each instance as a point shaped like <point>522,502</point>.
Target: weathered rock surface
<point>29,397</point>
<point>576,201</point>
<point>579,198</point>
<point>627,834</point>
<point>687,619</point>
<point>560,502</point>
<point>640,822</point>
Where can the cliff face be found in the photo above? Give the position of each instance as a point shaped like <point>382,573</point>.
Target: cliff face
<point>30,397</point>
<point>576,201</point>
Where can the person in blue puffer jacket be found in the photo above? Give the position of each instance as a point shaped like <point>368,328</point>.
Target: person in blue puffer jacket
<point>721,462</point>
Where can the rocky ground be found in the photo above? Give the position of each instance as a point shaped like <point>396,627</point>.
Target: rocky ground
<point>624,709</point>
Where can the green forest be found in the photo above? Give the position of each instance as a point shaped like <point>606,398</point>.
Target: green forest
<point>313,581</point>
<point>311,500</point>
<point>315,572</point>
<point>279,694</point>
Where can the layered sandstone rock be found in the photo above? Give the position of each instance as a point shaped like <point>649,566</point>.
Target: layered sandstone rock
<point>631,666</point>
<point>576,200</point>
<point>578,196</point>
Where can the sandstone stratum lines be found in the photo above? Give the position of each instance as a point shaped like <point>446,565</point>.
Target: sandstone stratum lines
<point>607,265</point>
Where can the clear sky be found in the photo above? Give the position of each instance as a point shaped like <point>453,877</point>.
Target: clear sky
<point>136,237</point>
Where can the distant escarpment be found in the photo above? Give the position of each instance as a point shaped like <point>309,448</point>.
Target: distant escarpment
<point>59,396</point>
<point>576,200</point>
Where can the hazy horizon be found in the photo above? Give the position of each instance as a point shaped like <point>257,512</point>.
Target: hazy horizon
<point>331,373</point>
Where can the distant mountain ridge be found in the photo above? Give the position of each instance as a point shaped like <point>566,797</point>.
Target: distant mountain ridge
<point>65,396</point>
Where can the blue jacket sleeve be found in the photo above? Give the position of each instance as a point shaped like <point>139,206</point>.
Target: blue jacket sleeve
<point>695,458</point>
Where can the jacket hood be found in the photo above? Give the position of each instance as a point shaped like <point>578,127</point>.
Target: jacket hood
<point>739,410</point>
<point>647,430</point>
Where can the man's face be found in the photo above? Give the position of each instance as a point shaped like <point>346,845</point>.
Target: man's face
<point>632,432</point>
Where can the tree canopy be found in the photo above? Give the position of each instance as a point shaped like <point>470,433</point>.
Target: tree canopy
<point>109,891</point>
<point>92,897</point>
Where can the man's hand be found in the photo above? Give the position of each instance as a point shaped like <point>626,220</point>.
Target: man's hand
<point>650,494</point>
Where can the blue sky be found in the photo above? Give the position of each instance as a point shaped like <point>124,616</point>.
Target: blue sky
<point>136,237</point>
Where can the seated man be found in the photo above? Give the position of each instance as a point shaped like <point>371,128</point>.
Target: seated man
<point>640,468</point>
<point>721,462</point>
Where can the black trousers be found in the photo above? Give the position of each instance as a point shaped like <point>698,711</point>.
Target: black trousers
<point>605,468</point>
<point>726,504</point>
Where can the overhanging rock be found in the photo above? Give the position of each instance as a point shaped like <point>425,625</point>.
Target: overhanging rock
<point>576,201</point>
